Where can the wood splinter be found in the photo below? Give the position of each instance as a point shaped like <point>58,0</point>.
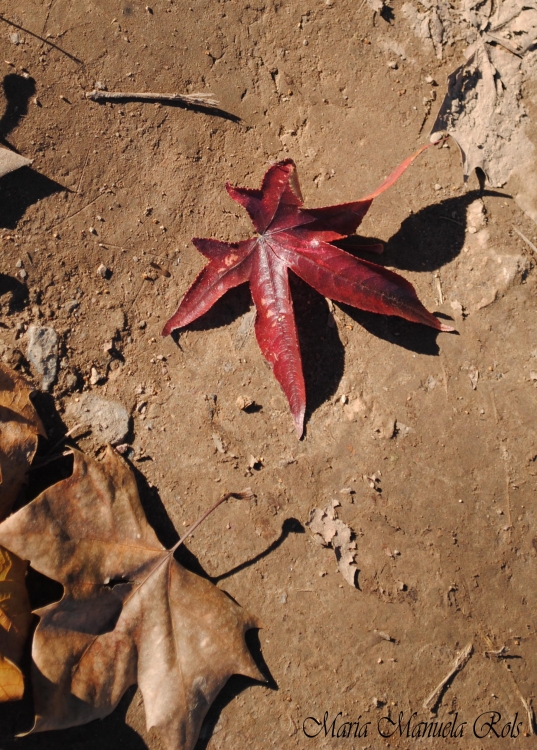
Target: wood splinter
<point>199,100</point>
<point>462,659</point>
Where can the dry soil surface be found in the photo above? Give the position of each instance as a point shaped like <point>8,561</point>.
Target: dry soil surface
<point>426,440</point>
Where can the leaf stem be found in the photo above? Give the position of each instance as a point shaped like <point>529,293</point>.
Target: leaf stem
<point>246,494</point>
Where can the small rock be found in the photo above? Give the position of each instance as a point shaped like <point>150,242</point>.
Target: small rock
<point>108,420</point>
<point>533,375</point>
<point>142,324</point>
<point>103,271</point>
<point>243,402</point>
<point>15,38</point>
<point>22,274</point>
<point>436,137</point>
<point>114,322</point>
<point>71,381</point>
<point>42,353</point>
<point>392,65</point>
<point>255,462</point>
<point>438,186</point>
<point>95,378</point>
<point>71,305</point>
<point>92,230</point>
<point>11,357</point>
<point>19,264</point>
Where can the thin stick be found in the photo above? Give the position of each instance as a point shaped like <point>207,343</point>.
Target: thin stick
<point>526,240</point>
<point>41,39</point>
<point>446,218</point>
<point>49,460</point>
<point>462,659</point>
<point>200,100</point>
<point>246,494</point>
<point>68,434</point>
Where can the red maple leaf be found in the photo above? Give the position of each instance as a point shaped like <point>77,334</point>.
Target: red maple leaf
<point>290,237</point>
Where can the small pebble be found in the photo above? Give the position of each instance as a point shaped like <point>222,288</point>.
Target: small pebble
<point>103,271</point>
<point>243,402</point>
<point>393,65</point>
<point>92,230</point>
<point>71,381</point>
<point>438,186</point>
<point>94,376</point>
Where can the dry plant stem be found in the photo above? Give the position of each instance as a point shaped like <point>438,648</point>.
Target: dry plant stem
<point>501,656</point>
<point>461,660</point>
<point>526,240</point>
<point>201,100</point>
<point>67,435</point>
<point>246,494</point>
<point>49,460</point>
<point>41,39</point>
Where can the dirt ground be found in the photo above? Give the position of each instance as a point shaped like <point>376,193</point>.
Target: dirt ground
<point>447,536</point>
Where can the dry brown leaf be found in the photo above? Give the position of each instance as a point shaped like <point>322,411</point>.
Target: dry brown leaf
<point>332,532</point>
<point>10,161</point>
<point>15,619</point>
<point>19,429</point>
<point>129,614</point>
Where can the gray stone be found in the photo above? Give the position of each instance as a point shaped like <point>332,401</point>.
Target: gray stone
<point>109,420</point>
<point>42,353</point>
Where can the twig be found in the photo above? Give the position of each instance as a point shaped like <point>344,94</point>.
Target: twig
<point>68,434</point>
<point>526,240</point>
<point>41,39</point>
<point>49,460</point>
<point>246,494</point>
<point>501,655</point>
<point>438,284</point>
<point>200,100</point>
<point>527,705</point>
<point>461,660</point>
<point>446,218</point>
